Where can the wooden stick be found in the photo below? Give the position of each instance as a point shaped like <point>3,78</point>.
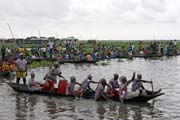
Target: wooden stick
<point>106,98</point>
<point>152,86</point>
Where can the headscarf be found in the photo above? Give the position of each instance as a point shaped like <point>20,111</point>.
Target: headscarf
<point>89,76</point>
<point>123,79</point>
<point>56,64</point>
<point>116,76</point>
<point>139,76</point>
<point>73,79</point>
<point>102,81</point>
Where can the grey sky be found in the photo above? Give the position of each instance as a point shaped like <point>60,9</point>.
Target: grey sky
<point>91,19</point>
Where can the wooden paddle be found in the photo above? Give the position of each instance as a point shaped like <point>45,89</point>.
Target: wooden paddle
<point>152,87</point>
<point>106,98</point>
<point>121,99</point>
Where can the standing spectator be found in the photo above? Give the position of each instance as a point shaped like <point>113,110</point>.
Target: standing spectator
<point>21,65</point>
<point>51,46</point>
<point>43,49</point>
<point>3,53</point>
<point>175,44</point>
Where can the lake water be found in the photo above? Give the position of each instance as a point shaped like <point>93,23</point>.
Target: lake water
<point>164,72</point>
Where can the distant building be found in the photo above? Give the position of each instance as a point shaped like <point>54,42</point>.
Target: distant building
<point>71,38</point>
<point>2,40</point>
<point>37,40</point>
<point>51,38</point>
<point>92,41</point>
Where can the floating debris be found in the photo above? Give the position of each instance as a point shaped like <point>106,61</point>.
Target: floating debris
<point>120,60</point>
<point>104,63</point>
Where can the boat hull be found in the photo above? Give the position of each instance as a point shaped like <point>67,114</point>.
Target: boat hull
<point>24,89</point>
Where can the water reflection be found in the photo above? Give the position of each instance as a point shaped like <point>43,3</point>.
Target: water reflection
<point>21,107</point>
<point>123,112</point>
<point>51,108</point>
<point>57,107</point>
<point>134,111</point>
<point>32,101</point>
<point>101,110</point>
<point>32,106</point>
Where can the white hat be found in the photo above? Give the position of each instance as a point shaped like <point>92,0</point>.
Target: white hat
<point>21,54</point>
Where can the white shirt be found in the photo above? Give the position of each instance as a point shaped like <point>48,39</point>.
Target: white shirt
<point>51,45</point>
<point>53,72</point>
<point>32,85</point>
<point>21,63</point>
<point>43,49</point>
<point>9,50</point>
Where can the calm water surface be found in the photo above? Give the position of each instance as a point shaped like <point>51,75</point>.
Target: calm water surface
<point>164,73</point>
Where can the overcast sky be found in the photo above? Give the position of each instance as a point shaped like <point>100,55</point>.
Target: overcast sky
<point>91,19</point>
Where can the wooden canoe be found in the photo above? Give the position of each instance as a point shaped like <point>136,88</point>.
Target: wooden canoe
<point>24,89</point>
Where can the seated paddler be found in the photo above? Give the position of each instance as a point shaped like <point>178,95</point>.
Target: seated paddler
<point>123,87</point>
<point>71,85</point>
<point>113,83</point>
<point>85,85</point>
<point>32,84</point>
<point>99,93</point>
<point>51,77</point>
<point>137,85</point>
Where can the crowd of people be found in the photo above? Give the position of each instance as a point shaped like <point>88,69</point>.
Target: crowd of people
<point>78,52</point>
<point>157,47</point>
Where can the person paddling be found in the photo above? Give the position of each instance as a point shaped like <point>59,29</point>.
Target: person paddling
<point>85,85</point>
<point>70,87</point>
<point>53,73</point>
<point>113,83</point>
<point>99,93</point>
<point>123,87</point>
<point>51,77</point>
<point>137,85</point>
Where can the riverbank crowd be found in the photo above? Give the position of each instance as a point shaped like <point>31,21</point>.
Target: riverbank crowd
<point>77,51</point>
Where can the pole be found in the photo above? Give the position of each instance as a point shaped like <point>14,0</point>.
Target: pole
<point>11,32</point>
<point>39,34</point>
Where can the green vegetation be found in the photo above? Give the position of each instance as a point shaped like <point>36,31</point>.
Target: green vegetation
<point>88,47</point>
<point>104,63</point>
<point>43,63</point>
<point>13,45</point>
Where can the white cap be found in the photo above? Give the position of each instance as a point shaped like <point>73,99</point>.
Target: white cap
<point>21,53</point>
